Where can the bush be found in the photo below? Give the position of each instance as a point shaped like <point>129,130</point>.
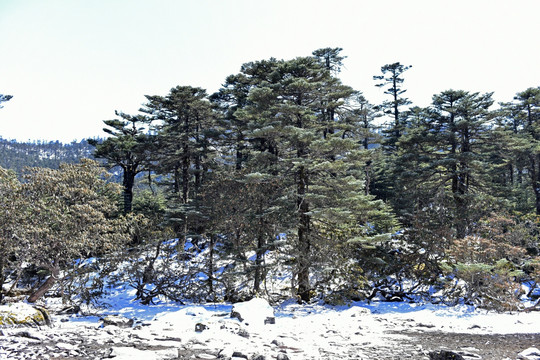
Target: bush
<point>487,265</point>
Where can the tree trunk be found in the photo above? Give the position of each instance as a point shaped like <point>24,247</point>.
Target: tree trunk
<point>2,276</point>
<point>367,171</point>
<point>259,255</point>
<point>304,246</point>
<point>211,268</point>
<point>535,179</point>
<point>128,182</point>
<point>258,265</point>
<point>46,286</point>
<point>397,129</point>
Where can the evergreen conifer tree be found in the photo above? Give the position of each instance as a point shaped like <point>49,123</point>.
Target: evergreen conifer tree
<point>321,172</point>
<point>183,120</point>
<point>127,147</point>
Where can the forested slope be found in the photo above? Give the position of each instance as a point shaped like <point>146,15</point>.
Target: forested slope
<point>17,155</point>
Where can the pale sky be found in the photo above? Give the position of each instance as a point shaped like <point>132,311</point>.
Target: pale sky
<point>69,64</point>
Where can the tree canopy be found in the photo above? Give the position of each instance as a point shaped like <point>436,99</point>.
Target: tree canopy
<point>286,170</point>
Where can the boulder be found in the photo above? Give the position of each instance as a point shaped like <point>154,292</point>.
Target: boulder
<point>529,354</point>
<point>23,315</point>
<point>117,320</point>
<point>253,312</point>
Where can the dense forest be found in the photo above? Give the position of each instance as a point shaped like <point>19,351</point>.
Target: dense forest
<point>49,154</point>
<point>287,173</point>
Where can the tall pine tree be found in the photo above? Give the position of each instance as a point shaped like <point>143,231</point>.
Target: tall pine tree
<point>183,120</point>
<point>321,172</point>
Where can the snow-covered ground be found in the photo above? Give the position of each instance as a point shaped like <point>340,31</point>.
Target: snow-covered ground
<point>358,331</point>
<point>361,330</point>
<point>461,318</point>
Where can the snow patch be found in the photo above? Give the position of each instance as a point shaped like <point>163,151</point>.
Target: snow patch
<point>253,312</point>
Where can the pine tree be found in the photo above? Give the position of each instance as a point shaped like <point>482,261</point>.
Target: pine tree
<point>357,119</point>
<point>444,149</point>
<point>231,98</point>
<point>528,115</point>
<point>183,120</point>
<point>127,147</point>
<point>321,172</point>
<point>391,77</point>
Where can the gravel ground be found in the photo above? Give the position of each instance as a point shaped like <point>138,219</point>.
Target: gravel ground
<point>409,345</point>
<point>489,347</point>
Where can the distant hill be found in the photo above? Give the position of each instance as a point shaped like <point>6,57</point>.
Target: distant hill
<point>16,155</point>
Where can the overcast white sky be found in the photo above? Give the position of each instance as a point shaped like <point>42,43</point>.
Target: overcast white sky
<point>71,63</point>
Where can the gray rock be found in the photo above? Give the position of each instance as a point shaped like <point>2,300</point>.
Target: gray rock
<point>282,356</point>
<point>277,342</point>
<point>238,354</point>
<point>70,310</point>
<point>199,327</point>
<point>445,355</point>
<point>30,335</point>
<point>117,320</point>
<point>243,333</point>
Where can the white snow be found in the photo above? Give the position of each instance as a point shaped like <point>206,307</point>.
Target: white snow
<point>254,312</point>
<point>303,328</point>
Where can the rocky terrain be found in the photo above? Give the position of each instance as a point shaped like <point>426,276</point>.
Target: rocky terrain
<point>199,333</point>
<point>91,343</point>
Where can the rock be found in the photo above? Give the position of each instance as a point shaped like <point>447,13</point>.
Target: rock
<point>277,342</point>
<point>45,313</point>
<point>65,346</point>
<point>470,356</point>
<point>117,320</point>
<point>70,310</point>
<point>199,327</point>
<point>238,354</point>
<point>429,326</point>
<point>30,335</point>
<point>129,353</point>
<point>243,333</point>
<point>282,356</point>
<point>21,314</point>
<point>206,356</point>
<point>529,354</point>
<point>270,320</point>
<point>445,355</point>
<point>253,312</point>
<point>258,357</point>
